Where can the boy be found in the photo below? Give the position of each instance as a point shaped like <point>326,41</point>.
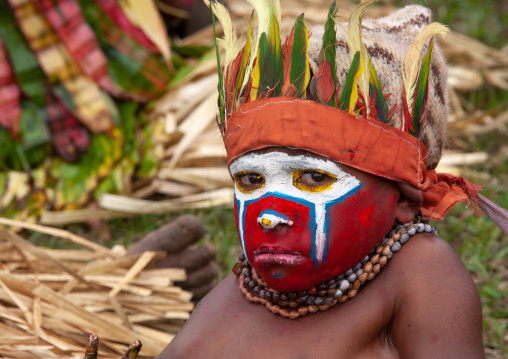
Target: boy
<point>332,178</point>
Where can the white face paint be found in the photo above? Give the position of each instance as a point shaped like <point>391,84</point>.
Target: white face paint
<point>278,170</point>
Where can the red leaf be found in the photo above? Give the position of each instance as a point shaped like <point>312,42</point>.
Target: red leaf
<point>10,96</point>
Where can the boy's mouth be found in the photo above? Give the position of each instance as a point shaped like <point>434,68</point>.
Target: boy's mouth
<point>277,255</point>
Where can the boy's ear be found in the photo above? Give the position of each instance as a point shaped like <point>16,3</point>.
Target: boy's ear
<point>409,204</point>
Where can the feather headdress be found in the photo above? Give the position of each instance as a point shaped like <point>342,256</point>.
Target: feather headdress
<point>268,66</point>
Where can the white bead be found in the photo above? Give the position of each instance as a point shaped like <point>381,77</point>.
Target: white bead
<point>344,285</point>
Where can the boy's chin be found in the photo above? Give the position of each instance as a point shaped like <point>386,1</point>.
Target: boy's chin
<point>284,278</point>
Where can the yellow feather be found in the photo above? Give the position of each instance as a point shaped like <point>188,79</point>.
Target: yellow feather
<point>355,43</point>
<point>413,60</point>
<point>231,42</point>
<point>256,73</point>
<point>353,100</point>
<point>262,8</point>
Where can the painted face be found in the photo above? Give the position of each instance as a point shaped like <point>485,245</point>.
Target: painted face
<point>303,220</point>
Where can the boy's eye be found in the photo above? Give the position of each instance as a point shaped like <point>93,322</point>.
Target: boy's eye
<point>313,180</point>
<point>248,182</point>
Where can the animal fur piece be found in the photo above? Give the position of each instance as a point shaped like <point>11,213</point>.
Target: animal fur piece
<point>387,40</point>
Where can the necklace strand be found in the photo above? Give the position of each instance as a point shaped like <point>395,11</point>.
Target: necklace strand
<point>337,290</point>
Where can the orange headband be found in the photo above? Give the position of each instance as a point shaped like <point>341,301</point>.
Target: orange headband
<point>368,145</point>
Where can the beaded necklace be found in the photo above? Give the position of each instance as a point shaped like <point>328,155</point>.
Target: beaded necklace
<point>325,295</point>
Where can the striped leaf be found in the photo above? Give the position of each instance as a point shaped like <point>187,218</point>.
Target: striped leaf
<point>10,95</point>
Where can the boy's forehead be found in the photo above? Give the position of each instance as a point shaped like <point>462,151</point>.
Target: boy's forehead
<point>290,152</point>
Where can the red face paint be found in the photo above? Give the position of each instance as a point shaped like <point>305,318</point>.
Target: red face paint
<point>297,240</point>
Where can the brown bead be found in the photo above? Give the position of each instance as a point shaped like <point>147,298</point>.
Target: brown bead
<point>249,297</point>
<point>268,306</point>
<point>323,293</point>
<point>335,301</point>
<point>313,308</point>
<point>390,243</point>
<point>244,291</point>
<point>352,293</point>
<point>324,307</point>
<point>283,303</point>
<point>371,276</point>
<point>293,303</point>
<point>284,313</point>
<point>255,299</point>
<point>356,284</point>
<point>303,311</point>
<point>396,236</point>
<point>374,259</point>
<point>379,249</point>
<point>263,301</point>
<point>312,291</point>
<point>386,251</point>
<point>293,315</point>
<point>343,298</point>
<point>241,278</point>
<point>376,268</point>
<point>363,277</point>
<point>331,291</point>
<point>367,268</point>
<point>275,309</point>
<point>382,261</point>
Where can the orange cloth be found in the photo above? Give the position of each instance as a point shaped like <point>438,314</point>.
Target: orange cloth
<point>368,145</point>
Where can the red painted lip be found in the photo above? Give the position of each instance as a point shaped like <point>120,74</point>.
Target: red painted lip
<point>277,255</point>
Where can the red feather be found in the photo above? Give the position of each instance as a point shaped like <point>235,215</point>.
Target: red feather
<point>406,116</point>
<point>322,83</point>
<point>287,47</point>
<point>231,75</point>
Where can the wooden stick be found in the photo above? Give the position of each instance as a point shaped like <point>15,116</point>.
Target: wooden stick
<point>61,233</point>
<point>141,263</point>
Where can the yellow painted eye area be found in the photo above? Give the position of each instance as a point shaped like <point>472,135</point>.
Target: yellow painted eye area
<point>313,180</point>
<point>247,182</point>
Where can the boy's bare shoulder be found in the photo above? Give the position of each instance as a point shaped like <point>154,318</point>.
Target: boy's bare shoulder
<point>210,319</point>
<point>437,308</point>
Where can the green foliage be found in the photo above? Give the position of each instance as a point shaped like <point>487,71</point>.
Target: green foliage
<point>485,20</point>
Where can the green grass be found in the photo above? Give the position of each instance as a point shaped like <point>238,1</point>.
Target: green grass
<point>485,20</point>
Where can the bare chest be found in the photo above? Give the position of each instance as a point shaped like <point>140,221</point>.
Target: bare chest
<point>355,329</point>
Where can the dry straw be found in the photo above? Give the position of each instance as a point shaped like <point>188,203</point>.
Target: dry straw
<point>49,298</point>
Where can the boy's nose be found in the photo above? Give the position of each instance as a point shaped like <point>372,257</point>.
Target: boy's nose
<point>271,219</point>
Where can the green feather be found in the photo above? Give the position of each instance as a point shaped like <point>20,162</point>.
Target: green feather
<point>329,51</point>
<point>350,84</point>
<point>300,74</point>
<point>260,64</point>
<point>222,99</point>
<point>381,104</point>
<point>420,103</point>
<point>273,68</point>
